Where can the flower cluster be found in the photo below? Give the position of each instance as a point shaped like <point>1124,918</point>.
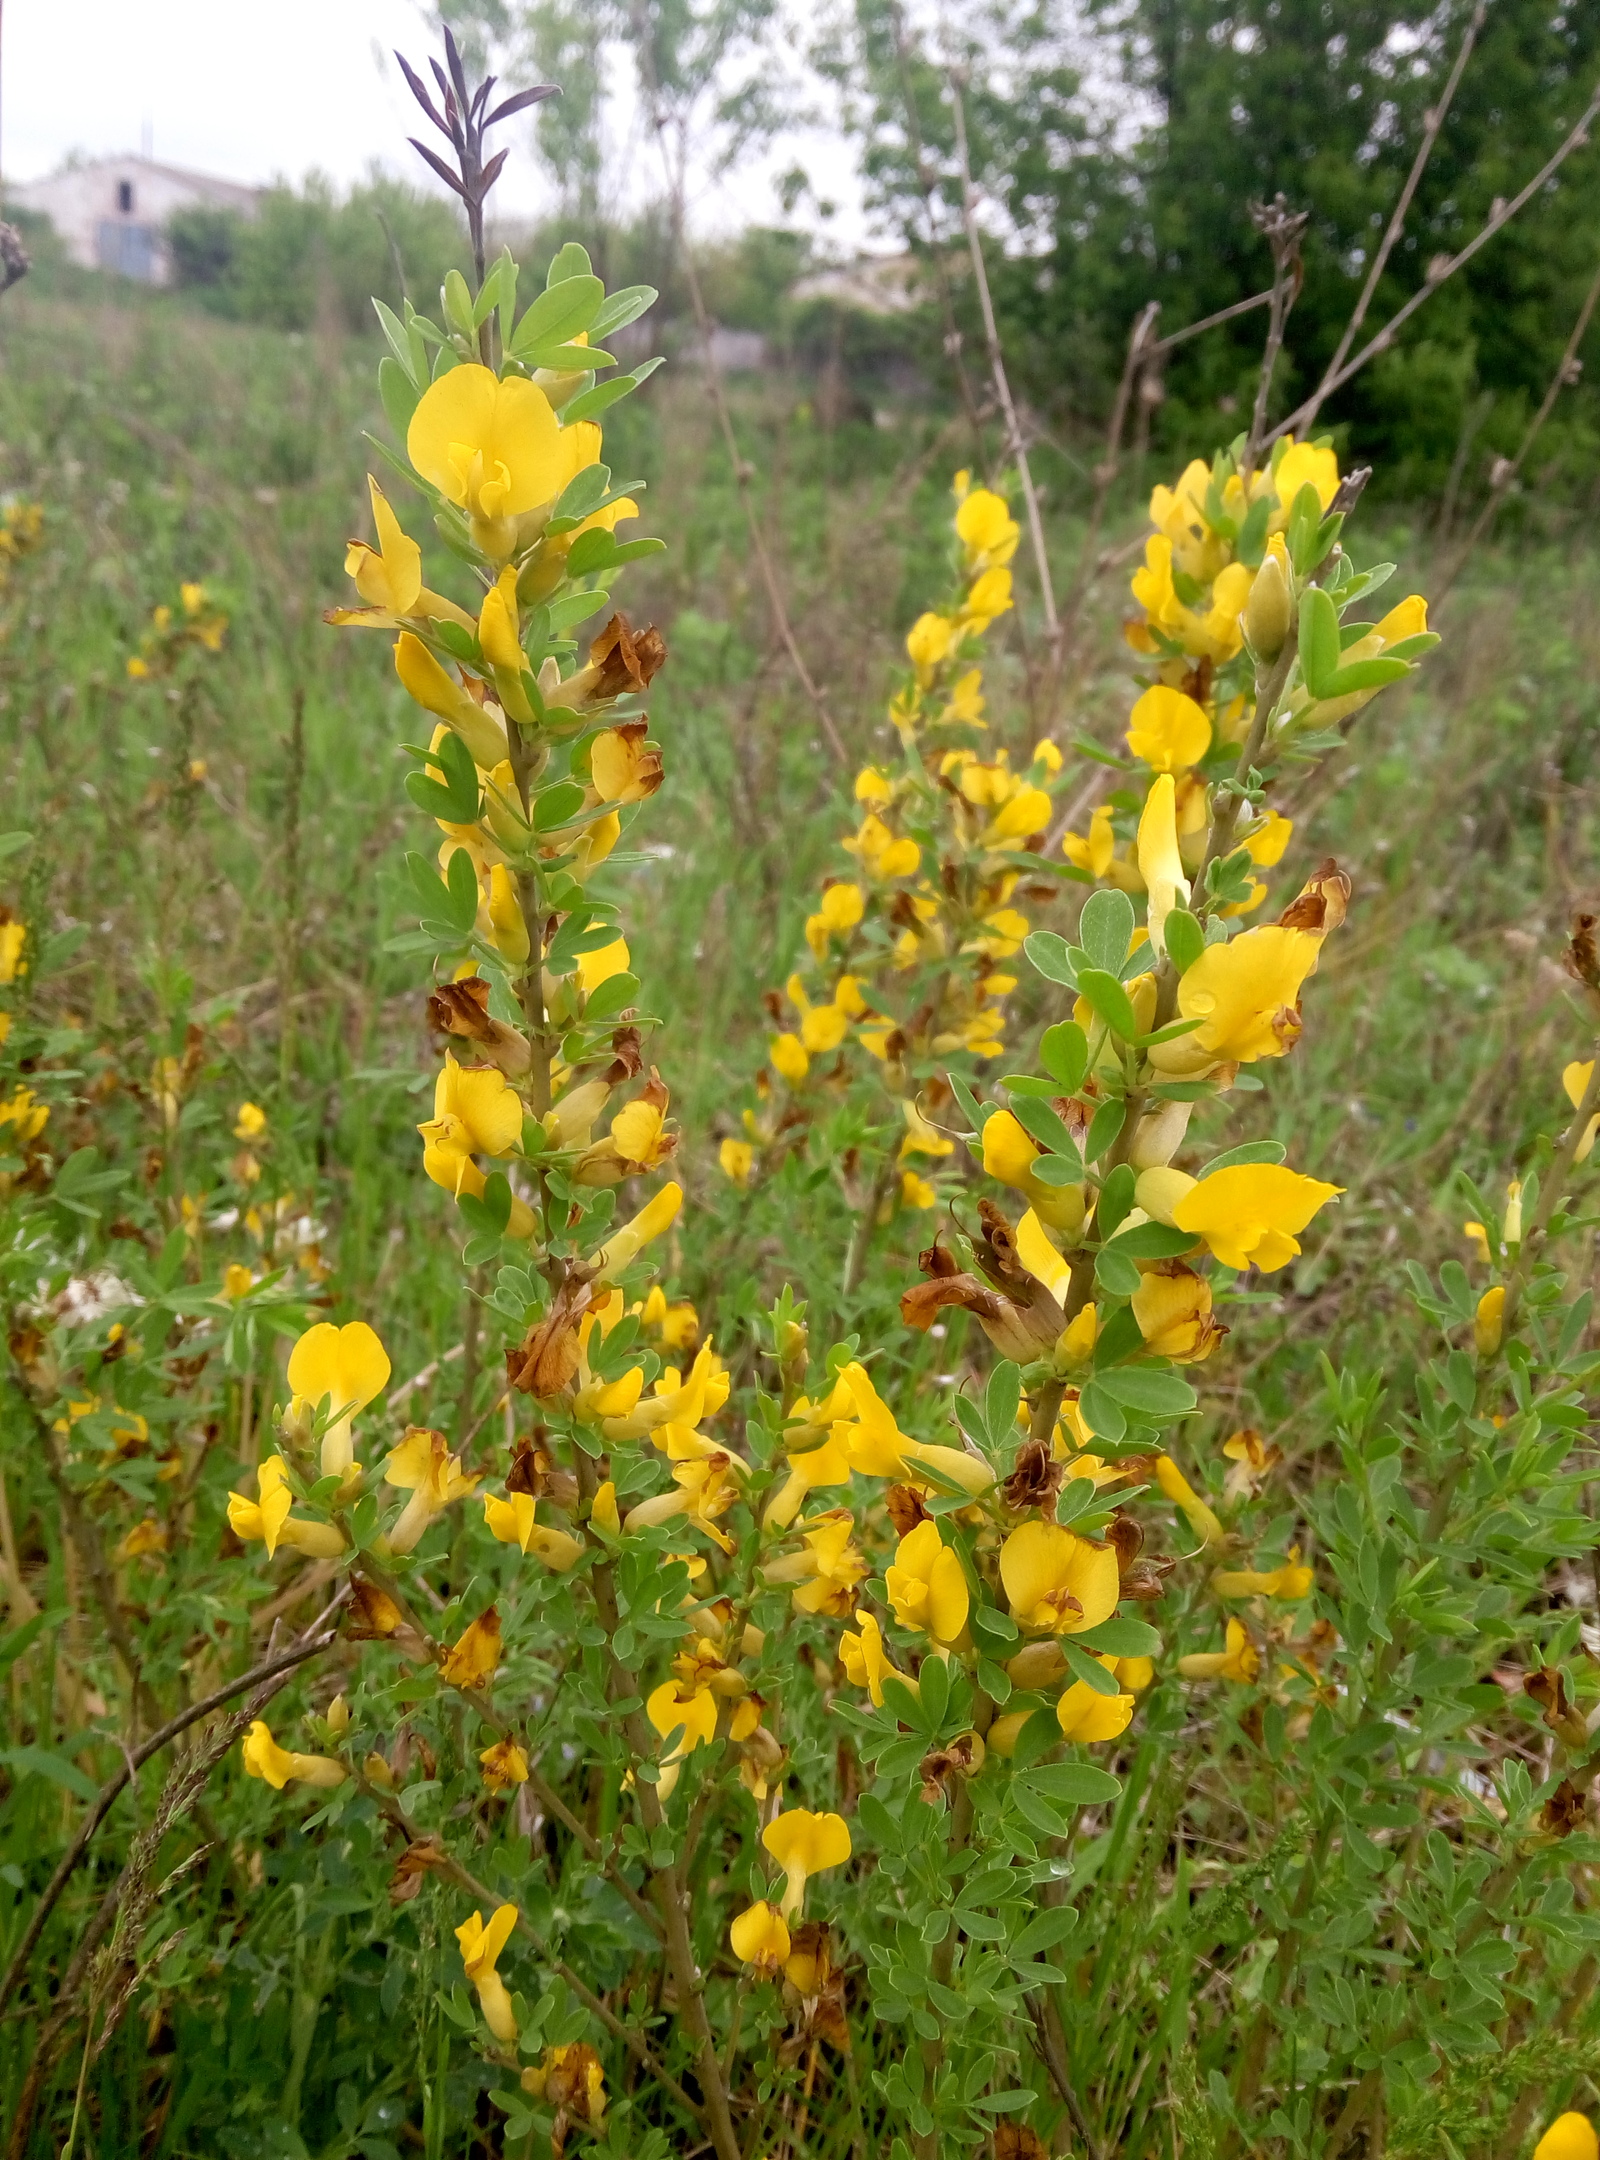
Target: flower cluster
<point>195,624</point>
<point>911,948</point>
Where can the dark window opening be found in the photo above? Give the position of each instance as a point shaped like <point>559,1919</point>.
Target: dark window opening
<point>125,196</point>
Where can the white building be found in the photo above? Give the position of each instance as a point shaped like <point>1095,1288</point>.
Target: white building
<point>112,213</point>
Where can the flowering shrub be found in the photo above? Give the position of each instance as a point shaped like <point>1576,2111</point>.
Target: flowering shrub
<point>802,1749</point>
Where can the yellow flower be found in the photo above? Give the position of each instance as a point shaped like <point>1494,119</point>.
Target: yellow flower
<point>27,1117</point>
<point>841,908</point>
<point>503,1764</point>
<point>493,448</point>
<point>1240,1661</point>
<point>1169,731</point>
<point>1085,1715</point>
<point>1249,1214</point>
<point>1246,995</point>
<point>237,1281</point>
<point>737,1159</point>
<point>1094,853</point>
<point>789,1060</point>
<point>881,855</point>
<point>986,529</point>
<point>423,1466</point>
<point>1575,1079</point>
<point>250,1122</point>
<point>268,1518</point>
<point>873,787</point>
<point>1569,2137</point>
<point>867,1664</point>
<point>346,1367</point>
<point>1173,1308</point>
<point>437,692</point>
<point>988,598</point>
<point>1289,1583</point>
<point>1268,840</point>
<point>1024,814</point>
<point>624,1246</point>
<point>803,1844</point>
<point>145,1537</point>
<point>1057,1581</point>
<point>1488,1322</point>
<point>475,1110</point>
<point>692,1716</point>
<point>472,1659</point>
<point>927,1585</point>
<point>829,1568</point>
<point>928,642</point>
<point>1160,864</point>
<point>263,1758</point>
<point>481,1946</point>
<point>1009,1156</point>
<point>760,1937</point>
<point>511,1521</point>
<point>599,966</point>
<point>916,1192</point>
<point>1184,1497</point>
<point>389,577</point>
<point>1304,464</point>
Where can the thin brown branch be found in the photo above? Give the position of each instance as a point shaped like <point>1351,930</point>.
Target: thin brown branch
<point>1439,273</point>
<point>1505,470</point>
<point>1015,446</point>
<point>1433,120</point>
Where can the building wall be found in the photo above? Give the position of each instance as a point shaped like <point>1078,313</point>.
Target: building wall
<point>112,215</point>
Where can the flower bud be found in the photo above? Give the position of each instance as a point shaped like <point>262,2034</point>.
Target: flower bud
<point>1511,1226</point>
<point>1488,1322</point>
<point>338,1716</point>
<point>296,1423</point>
<point>1269,610</point>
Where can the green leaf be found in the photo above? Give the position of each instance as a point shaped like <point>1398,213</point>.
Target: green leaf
<point>1079,1784</point>
<point>1121,1637</point>
<point>1116,1199</point>
<point>1373,674</point>
<point>1185,939</point>
<point>455,799</point>
<point>19,1639</point>
<point>977,1113</point>
<point>1089,1669</point>
<point>1304,531</point>
<point>1047,1127</point>
<point>570,260</point>
<point>566,359</point>
<point>1251,1151</point>
<point>1048,953</point>
<point>557,803</point>
<point>1000,1400</point>
<point>613,996</point>
<point>1101,1414</point>
<point>40,1762</point>
<point>1109,1000</point>
<point>1064,1053</point>
<point>623,306</point>
<point>574,608</point>
<point>1105,929</point>
<point>1051,1928</point>
<point>1104,1127</point>
<point>462,881</point>
<point>1319,639</point>
<point>559,314</point>
<point>1154,1241</point>
<point>399,394</point>
<point>590,404</point>
<point>1116,1272</point>
<point>13,843</point>
<point>1148,1391</point>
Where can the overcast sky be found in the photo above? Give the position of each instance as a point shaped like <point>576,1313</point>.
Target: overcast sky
<point>257,92</point>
